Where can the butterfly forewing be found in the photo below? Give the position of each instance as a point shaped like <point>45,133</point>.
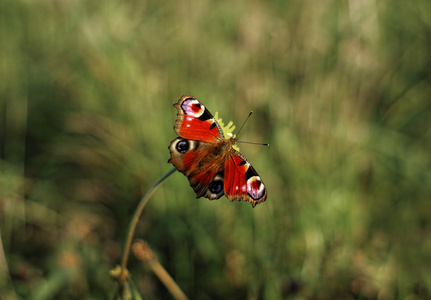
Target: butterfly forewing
<point>195,122</point>
<point>244,182</point>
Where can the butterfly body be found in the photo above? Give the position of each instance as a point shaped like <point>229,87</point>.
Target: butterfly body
<point>202,153</point>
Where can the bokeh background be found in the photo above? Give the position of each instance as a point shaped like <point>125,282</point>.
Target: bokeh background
<point>341,90</point>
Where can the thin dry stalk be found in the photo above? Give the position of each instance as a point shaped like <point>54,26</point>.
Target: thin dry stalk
<point>144,253</point>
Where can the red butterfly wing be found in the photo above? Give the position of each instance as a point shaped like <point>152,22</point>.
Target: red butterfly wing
<point>241,181</point>
<point>195,122</point>
<point>205,172</point>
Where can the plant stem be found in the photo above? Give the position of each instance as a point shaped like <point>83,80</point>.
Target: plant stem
<point>5,274</point>
<point>134,221</point>
<point>144,253</point>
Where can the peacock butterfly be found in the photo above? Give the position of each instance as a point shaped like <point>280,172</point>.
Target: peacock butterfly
<point>208,159</point>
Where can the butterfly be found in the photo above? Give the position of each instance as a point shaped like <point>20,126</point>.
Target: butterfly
<point>202,153</point>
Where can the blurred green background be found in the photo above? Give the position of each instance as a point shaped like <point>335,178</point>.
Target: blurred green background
<point>341,90</point>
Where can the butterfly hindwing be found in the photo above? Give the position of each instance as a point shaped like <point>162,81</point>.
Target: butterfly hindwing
<point>205,175</point>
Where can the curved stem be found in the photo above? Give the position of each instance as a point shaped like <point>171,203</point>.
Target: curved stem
<point>5,273</point>
<point>134,221</point>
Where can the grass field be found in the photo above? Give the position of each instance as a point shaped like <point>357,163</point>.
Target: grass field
<point>341,90</point>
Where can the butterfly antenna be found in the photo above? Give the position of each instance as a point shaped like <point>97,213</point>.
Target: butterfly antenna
<point>260,144</point>
<point>244,123</point>
<point>241,129</point>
